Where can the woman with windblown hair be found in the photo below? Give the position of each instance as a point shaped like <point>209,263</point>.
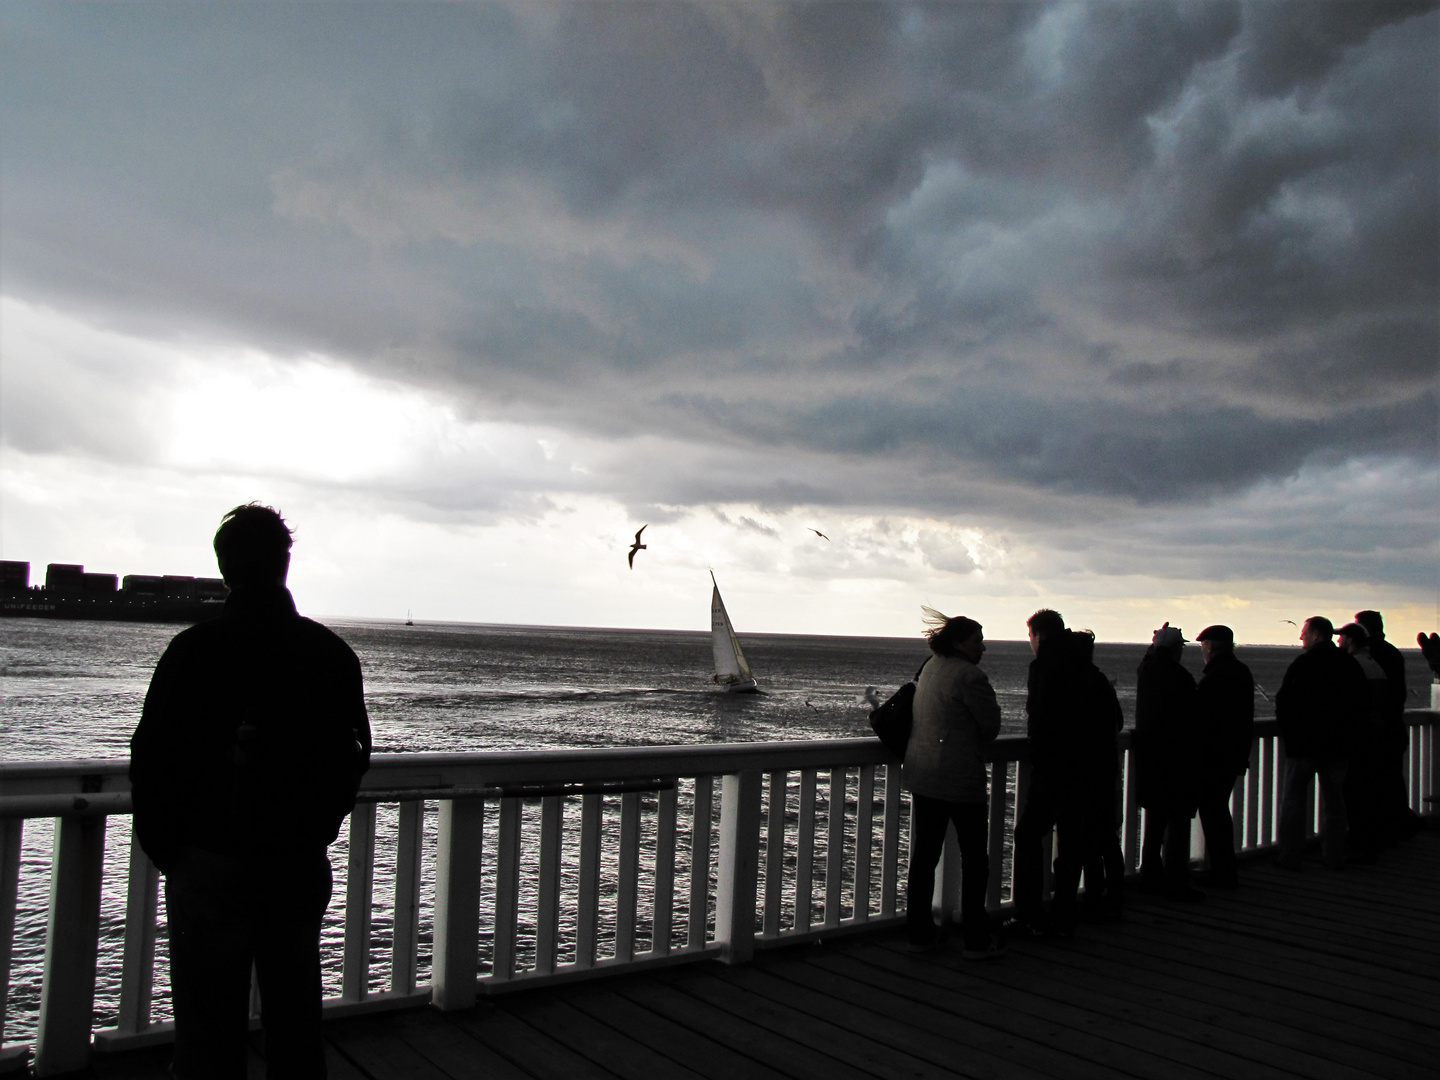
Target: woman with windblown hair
<point>956,715</point>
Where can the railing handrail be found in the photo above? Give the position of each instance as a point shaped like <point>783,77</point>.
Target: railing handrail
<point>437,775</point>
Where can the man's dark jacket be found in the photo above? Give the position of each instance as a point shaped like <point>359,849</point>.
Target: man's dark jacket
<point>1322,703</point>
<point>253,736</point>
<point>1392,662</point>
<point>1225,702</point>
<point>1063,706</point>
<point>1166,737</point>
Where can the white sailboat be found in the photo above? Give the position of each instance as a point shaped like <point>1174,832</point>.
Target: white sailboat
<point>731,670</point>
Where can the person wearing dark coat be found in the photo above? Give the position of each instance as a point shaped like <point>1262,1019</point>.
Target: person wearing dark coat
<point>1105,801</point>
<point>1320,706</point>
<point>1225,711</point>
<point>1166,765</point>
<point>1058,684</point>
<point>1399,822</point>
<point>1365,808</point>
<point>246,760</point>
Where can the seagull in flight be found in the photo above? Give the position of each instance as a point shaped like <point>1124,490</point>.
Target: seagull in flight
<point>821,535</point>
<point>1292,622</point>
<point>637,546</point>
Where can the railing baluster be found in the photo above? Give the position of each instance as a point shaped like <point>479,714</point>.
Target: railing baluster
<point>1132,813</point>
<point>1267,792</point>
<point>1022,787</point>
<point>457,903</point>
<point>890,845</point>
<point>775,854</point>
<point>805,850</point>
<point>1417,754</point>
<point>835,847</point>
<point>547,921</point>
<point>864,818</point>
<point>1427,778</point>
<point>137,966</point>
<point>700,861</point>
<point>67,997</point>
<point>12,832</point>
<point>664,872</point>
<point>1252,797</point>
<point>739,864</point>
<point>588,907</point>
<point>405,940</point>
<point>995,845</point>
<point>626,899</point>
<point>359,896</point>
<point>1237,812</point>
<point>507,889</point>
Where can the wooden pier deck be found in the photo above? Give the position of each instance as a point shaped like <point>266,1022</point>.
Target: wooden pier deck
<point>1317,975</point>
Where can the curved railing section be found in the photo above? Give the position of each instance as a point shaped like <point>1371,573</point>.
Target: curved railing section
<point>553,865</point>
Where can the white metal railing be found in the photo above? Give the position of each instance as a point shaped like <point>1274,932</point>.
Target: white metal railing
<point>806,843</point>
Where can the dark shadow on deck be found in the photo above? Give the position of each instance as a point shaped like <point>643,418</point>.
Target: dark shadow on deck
<point>1316,974</point>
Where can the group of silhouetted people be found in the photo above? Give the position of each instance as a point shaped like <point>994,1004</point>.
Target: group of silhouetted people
<point>1341,716</point>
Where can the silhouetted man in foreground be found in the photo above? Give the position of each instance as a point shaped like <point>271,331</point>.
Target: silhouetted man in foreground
<point>246,761</point>
<point>1399,821</point>
<point>1320,706</point>
<point>1225,709</point>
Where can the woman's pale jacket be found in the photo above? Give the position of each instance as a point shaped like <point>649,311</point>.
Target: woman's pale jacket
<point>956,714</point>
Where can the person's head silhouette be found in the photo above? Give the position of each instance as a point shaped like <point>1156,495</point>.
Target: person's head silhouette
<point>252,546</point>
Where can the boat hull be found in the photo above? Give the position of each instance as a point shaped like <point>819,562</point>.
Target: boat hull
<point>743,686</point>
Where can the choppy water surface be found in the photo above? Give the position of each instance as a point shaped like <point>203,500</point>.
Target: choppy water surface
<point>74,689</point>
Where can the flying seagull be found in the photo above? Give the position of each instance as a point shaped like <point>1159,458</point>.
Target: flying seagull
<point>637,546</point>
<point>1292,622</point>
<point>821,535</point>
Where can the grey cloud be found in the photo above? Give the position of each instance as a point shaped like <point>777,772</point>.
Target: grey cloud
<point>857,234</point>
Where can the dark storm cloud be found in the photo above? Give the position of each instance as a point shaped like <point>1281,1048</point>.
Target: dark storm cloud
<point>1155,252</point>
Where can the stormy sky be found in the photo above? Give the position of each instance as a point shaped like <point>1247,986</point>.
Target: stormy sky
<point>1128,309</point>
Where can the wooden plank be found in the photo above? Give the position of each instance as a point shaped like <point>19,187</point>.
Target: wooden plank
<point>696,1048</point>
<point>359,898</point>
<point>547,913</point>
<point>890,847</point>
<point>840,1042</point>
<point>622,1053</point>
<point>531,1049</point>
<point>940,1034</point>
<point>405,938</point>
<point>664,872</point>
<point>835,847</point>
<point>382,1054</point>
<point>588,907</point>
<point>449,1048</point>
<point>791,1057</point>
<point>805,851</point>
<point>775,854</point>
<point>699,914</point>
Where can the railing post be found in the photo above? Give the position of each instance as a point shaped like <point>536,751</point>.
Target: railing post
<point>507,889</point>
<point>739,855</point>
<point>775,853</point>
<point>67,997</point>
<point>835,846</point>
<point>457,903</point>
<point>890,845</point>
<point>864,842</point>
<point>12,831</point>
<point>995,844</point>
<point>664,872</point>
<point>547,906</point>
<point>946,899</point>
<point>137,969</point>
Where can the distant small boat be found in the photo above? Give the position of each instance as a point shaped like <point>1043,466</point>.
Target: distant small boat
<point>731,670</point>
<point>408,620</point>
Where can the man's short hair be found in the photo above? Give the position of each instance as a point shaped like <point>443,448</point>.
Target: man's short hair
<point>1372,622</point>
<point>1355,632</point>
<point>252,545</point>
<point>1318,624</point>
<point>1044,622</point>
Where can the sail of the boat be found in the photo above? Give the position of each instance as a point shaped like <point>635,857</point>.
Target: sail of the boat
<point>730,665</point>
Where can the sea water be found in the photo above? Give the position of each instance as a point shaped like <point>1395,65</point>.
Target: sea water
<point>75,689</point>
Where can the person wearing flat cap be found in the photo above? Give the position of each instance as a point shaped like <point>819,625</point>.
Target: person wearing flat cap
<point>1166,761</point>
<point>1225,707</point>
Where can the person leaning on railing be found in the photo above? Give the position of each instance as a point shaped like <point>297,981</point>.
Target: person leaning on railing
<point>955,716</point>
<point>246,760</point>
